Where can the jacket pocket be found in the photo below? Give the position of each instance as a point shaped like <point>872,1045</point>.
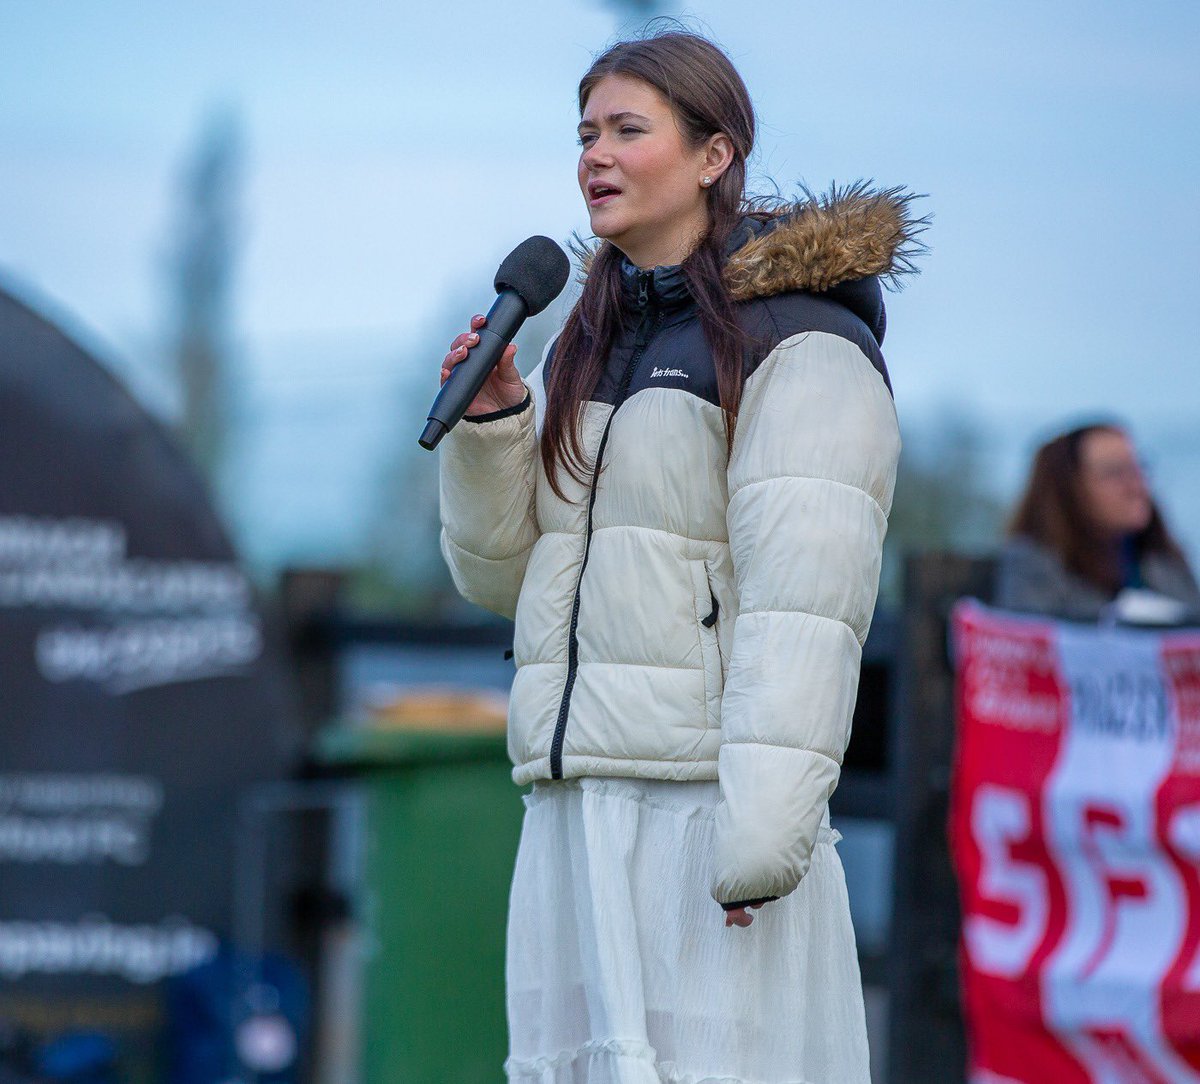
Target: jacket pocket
<point>708,616</point>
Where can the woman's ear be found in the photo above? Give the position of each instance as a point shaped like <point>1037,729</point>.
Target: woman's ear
<point>718,154</point>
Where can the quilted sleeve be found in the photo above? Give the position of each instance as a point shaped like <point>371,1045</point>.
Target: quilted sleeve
<point>489,524</point>
<point>810,487</point>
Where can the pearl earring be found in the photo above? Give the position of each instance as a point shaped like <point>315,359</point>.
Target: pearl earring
<point>706,182</point>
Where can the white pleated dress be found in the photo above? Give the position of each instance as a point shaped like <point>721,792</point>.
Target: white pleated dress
<point>620,968</point>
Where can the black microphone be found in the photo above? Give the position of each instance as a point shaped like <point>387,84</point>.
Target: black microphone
<point>531,276</point>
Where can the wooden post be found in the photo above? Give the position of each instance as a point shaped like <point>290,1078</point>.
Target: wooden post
<point>309,601</point>
<point>926,1041</point>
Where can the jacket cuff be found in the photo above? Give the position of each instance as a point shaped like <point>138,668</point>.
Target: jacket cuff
<point>749,903</point>
<point>496,415</point>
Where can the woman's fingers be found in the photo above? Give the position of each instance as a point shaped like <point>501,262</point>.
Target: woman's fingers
<point>462,343</point>
<point>741,916</point>
<point>459,349</point>
<point>738,917</point>
<point>506,369</point>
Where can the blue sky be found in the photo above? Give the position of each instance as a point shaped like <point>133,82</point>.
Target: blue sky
<point>396,151</point>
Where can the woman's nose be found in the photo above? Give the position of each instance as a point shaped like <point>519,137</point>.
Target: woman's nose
<point>597,154</point>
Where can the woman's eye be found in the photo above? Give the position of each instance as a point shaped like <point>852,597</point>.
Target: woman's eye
<point>584,140</point>
<point>631,131</point>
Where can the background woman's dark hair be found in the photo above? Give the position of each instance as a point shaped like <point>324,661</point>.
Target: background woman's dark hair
<point>1052,513</point>
<point>707,96</point>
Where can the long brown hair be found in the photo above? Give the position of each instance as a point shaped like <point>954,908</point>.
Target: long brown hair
<point>1052,513</point>
<point>707,96</point>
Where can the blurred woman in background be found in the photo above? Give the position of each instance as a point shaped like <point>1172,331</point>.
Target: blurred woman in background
<point>1087,536</point>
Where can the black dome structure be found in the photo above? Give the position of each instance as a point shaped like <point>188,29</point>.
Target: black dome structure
<point>139,697</point>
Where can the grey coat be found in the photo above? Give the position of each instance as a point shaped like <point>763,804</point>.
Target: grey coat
<point>1032,579</point>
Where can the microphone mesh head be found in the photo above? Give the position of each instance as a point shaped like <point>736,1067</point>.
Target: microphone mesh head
<point>537,269</point>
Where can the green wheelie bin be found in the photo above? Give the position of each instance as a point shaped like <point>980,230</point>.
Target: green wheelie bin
<point>443,820</point>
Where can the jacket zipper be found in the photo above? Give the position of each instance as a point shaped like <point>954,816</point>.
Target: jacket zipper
<point>646,332</point>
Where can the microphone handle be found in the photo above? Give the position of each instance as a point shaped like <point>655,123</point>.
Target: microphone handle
<point>504,320</point>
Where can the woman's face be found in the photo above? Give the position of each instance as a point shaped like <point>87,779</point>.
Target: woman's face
<point>641,181</point>
<point>1113,487</point>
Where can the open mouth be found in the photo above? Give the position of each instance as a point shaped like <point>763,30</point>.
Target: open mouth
<point>599,192</point>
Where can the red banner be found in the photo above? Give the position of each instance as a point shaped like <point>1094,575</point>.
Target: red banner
<point>1075,833</point>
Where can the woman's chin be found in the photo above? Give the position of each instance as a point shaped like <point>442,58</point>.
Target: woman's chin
<point>605,226</point>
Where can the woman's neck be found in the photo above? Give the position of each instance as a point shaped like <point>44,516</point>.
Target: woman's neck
<point>663,250</point>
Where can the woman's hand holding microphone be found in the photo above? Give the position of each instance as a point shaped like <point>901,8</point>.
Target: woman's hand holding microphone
<point>503,388</point>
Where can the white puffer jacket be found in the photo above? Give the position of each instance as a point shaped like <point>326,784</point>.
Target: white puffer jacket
<point>693,614</point>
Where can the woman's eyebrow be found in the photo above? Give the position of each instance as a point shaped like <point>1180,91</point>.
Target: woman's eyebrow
<point>615,118</point>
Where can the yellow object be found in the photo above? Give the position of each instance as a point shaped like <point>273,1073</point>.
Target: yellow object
<point>442,709</point>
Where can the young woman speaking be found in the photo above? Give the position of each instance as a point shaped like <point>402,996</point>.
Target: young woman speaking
<point>683,508</point>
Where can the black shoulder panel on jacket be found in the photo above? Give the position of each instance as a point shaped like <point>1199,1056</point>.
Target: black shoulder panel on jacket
<point>786,315</point>
<point>678,356</point>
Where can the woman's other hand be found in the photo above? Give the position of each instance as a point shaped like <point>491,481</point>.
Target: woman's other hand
<point>503,388</point>
<point>741,916</point>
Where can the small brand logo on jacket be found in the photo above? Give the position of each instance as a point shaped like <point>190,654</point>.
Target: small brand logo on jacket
<point>657,372</point>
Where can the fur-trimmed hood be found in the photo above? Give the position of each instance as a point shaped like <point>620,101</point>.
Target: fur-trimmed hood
<point>842,243</point>
<point>824,240</point>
